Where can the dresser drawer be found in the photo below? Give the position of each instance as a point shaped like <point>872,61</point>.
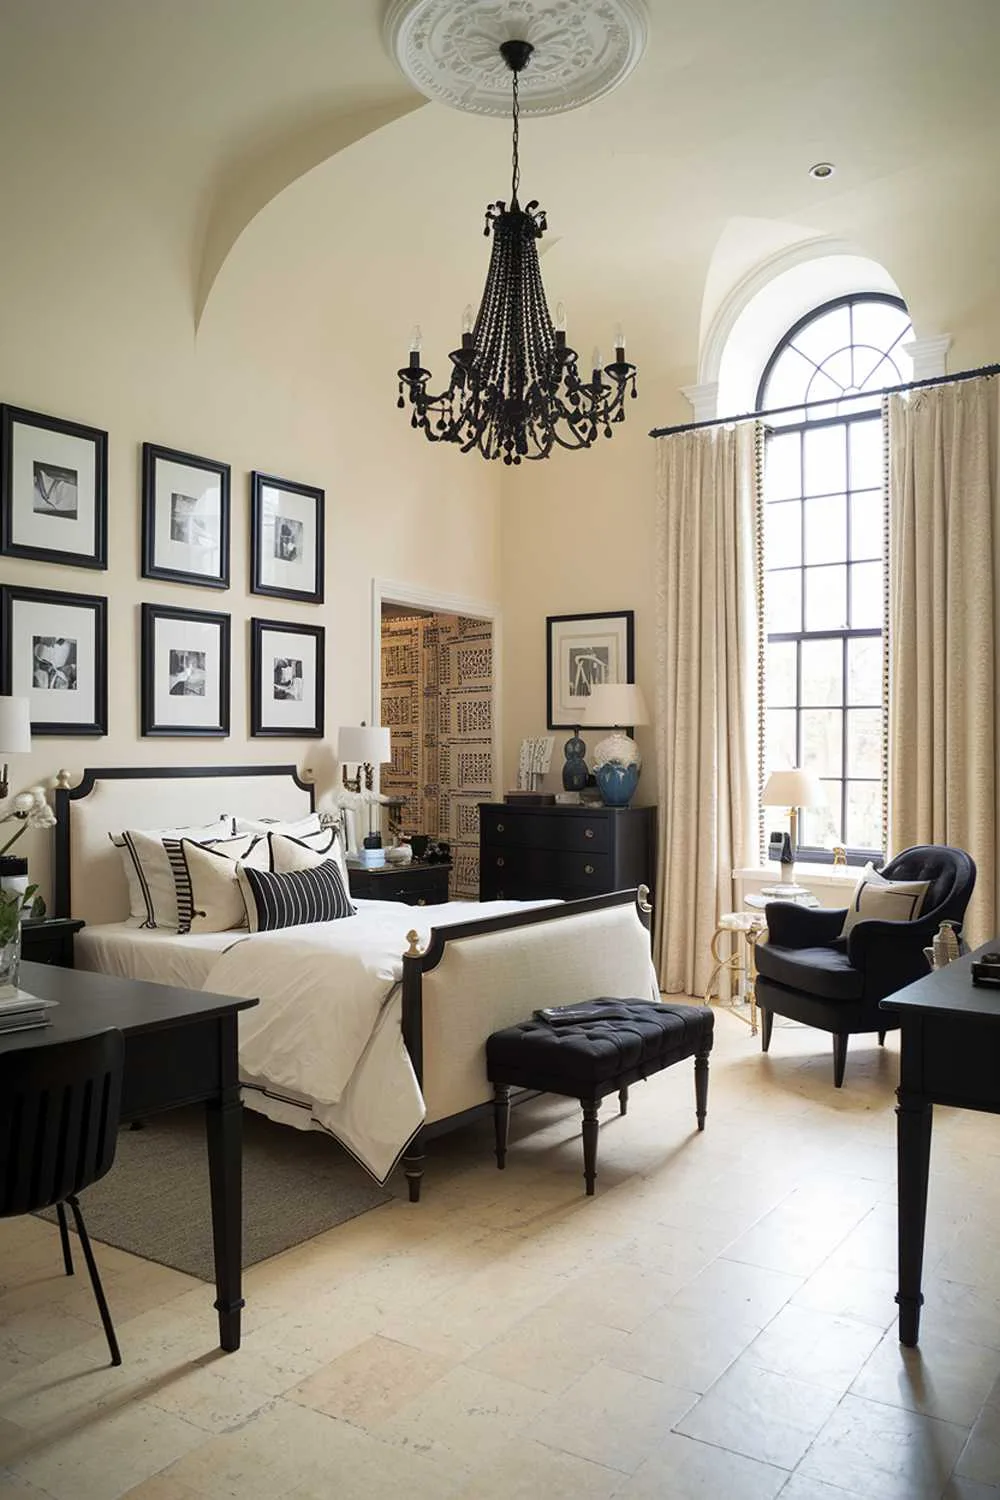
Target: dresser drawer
<point>546,868</point>
<point>545,830</point>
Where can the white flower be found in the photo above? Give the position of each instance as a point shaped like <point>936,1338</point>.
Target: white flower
<point>42,817</point>
<point>23,804</point>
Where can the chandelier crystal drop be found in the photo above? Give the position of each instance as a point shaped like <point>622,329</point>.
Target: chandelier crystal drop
<point>515,391</point>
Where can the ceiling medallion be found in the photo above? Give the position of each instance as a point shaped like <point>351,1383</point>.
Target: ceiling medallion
<point>515,390</point>
<point>450,50</point>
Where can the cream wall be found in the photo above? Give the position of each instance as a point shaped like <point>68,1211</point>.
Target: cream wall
<point>96,325</point>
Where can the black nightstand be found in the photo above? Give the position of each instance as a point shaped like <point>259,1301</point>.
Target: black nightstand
<point>50,940</point>
<point>416,884</point>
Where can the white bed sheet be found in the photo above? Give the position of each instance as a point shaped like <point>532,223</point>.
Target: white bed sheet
<point>150,953</point>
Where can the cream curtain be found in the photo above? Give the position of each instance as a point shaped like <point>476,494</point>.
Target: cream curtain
<point>944,619</point>
<point>707,674</point>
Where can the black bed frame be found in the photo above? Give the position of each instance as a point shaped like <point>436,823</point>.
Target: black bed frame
<point>416,961</point>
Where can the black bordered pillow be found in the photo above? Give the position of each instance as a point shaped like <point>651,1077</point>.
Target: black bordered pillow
<point>274,900</point>
<point>208,892</point>
<point>292,854</point>
<point>152,897</point>
<point>308,830</point>
<point>881,900</point>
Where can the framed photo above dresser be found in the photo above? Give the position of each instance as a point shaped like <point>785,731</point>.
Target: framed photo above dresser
<point>185,518</point>
<point>53,489</point>
<point>286,539</point>
<point>286,679</point>
<point>55,653</point>
<point>185,671</point>
<point>583,651</point>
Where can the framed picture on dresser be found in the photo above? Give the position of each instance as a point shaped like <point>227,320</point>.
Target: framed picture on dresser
<point>53,489</point>
<point>185,517</point>
<point>286,539</point>
<point>55,654</point>
<point>582,651</point>
<point>286,679</point>
<point>184,672</point>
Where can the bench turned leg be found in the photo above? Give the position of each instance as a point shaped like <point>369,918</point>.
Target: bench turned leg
<point>501,1121</point>
<point>413,1165</point>
<point>590,1107</point>
<point>701,1087</point>
<point>623,1101</point>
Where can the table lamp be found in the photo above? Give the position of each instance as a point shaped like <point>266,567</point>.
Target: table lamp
<point>15,734</point>
<point>793,789</point>
<point>616,760</point>
<point>364,746</point>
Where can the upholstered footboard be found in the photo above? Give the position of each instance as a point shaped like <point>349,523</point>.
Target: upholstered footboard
<point>478,977</point>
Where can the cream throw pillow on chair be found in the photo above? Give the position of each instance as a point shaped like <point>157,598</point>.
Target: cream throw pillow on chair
<point>881,900</point>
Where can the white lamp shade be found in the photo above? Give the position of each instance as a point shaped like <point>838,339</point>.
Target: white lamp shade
<point>15,726</point>
<point>793,788</point>
<point>363,745</point>
<point>616,704</point>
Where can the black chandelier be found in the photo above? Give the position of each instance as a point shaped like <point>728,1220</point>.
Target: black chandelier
<point>515,391</point>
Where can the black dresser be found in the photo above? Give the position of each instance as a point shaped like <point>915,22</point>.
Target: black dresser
<point>528,853</point>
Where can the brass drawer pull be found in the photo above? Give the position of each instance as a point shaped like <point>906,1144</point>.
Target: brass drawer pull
<point>422,901</point>
<point>588,869</point>
<point>500,861</point>
<point>588,833</point>
<point>499,828</point>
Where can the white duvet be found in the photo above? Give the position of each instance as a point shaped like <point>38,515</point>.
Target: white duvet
<point>324,1047</point>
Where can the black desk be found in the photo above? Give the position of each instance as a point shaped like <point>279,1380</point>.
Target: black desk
<point>949,1054</point>
<point>180,1048</point>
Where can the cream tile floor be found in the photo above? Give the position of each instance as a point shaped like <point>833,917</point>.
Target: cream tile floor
<point>717,1322</point>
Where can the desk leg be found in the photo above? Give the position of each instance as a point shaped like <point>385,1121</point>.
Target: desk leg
<point>913,1144</point>
<point>224,1130</point>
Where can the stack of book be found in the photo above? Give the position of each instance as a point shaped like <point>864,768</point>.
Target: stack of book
<point>21,1011</point>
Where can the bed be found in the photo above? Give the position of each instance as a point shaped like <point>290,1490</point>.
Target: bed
<point>371,1029</point>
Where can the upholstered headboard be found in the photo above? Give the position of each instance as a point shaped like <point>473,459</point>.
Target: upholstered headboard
<point>89,879</point>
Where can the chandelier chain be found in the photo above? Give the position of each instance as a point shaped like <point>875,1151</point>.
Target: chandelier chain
<point>515,181</point>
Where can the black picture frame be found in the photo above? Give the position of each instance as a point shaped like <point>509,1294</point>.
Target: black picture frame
<point>60,466</point>
<point>21,664</point>
<point>608,635</point>
<point>267,552</point>
<point>271,715</point>
<point>169,539</point>
<point>157,717</point>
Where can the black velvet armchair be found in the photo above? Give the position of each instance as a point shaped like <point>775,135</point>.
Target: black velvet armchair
<point>808,972</point>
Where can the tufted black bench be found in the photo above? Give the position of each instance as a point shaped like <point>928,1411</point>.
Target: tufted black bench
<point>591,1050</point>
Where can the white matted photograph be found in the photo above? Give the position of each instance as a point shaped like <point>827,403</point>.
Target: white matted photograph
<point>286,678</point>
<point>55,655</point>
<point>53,489</point>
<point>585,651</point>
<point>185,517</point>
<point>185,671</point>
<point>286,539</point>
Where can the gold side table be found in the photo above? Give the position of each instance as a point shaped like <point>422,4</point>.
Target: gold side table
<point>740,963</point>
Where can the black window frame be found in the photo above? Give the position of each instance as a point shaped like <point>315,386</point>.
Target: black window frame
<point>812,853</point>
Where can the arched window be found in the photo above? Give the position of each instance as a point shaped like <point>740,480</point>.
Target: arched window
<point>824,560</point>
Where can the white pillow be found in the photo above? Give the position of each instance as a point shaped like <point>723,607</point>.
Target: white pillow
<point>884,900</point>
<point>288,854</point>
<point>308,832</point>
<point>208,893</point>
<point>147,869</point>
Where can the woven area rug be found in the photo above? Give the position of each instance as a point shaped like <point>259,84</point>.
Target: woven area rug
<point>155,1203</point>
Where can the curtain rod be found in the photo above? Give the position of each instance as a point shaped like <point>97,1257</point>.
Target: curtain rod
<point>782,411</point>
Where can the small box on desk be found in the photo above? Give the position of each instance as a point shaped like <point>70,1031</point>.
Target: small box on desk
<point>371,859</point>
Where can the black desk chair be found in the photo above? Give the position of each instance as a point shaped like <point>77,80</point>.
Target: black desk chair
<point>59,1108</point>
<point>808,972</point>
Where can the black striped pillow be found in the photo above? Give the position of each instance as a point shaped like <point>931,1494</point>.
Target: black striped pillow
<point>288,900</point>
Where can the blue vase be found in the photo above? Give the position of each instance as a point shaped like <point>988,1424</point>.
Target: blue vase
<point>617,783</point>
<point>574,774</point>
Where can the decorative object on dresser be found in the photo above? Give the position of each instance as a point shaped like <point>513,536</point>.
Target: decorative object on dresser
<point>286,539</point>
<point>49,940</point>
<point>185,517</point>
<point>616,759</point>
<point>583,651</point>
<point>533,762</point>
<point>55,654</point>
<point>286,679</point>
<point>53,489</point>
<point>530,853</point>
<point>418,883</point>
<point>574,771</point>
<point>793,789</point>
<point>185,671</point>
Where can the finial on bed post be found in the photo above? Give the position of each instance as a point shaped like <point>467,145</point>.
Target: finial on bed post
<point>62,781</point>
<point>414,950</point>
<point>642,898</point>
